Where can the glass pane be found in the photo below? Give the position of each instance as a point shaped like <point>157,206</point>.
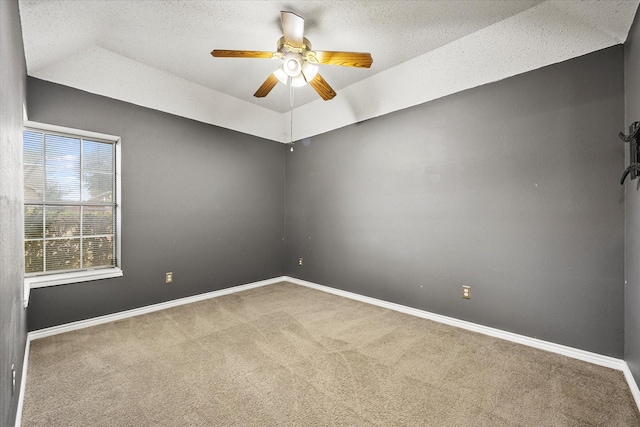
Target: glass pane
<point>62,221</point>
<point>97,251</point>
<point>97,156</point>
<point>33,257</point>
<point>33,182</point>
<point>63,168</point>
<point>33,152</point>
<point>62,152</point>
<point>33,147</point>
<point>63,185</point>
<point>97,220</point>
<point>63,254</point>
<point>33,222</point>
<point>97,187</point>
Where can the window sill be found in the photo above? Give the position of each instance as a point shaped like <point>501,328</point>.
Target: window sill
<point>66,278</point>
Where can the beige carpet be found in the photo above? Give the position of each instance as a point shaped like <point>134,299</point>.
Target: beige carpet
<point>288,355</point>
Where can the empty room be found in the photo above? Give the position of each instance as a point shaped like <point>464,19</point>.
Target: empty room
<point>357,213</point>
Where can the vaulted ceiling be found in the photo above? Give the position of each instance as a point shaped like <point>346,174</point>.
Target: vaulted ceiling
<point>157,53</point>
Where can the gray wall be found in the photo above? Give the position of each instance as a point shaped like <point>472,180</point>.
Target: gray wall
<point>511,188</point>
<point>12,315</point>
<point>632,255</point>
<point>203,202</point>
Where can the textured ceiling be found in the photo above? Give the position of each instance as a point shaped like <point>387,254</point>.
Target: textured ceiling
<point>157,53</point>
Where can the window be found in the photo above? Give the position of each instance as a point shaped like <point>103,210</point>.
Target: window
<point>71,209</point>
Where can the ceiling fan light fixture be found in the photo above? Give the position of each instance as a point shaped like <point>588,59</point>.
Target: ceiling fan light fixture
<point>295,81</point>
<point>298,81</point>
<point>309,71</point>
<point>281,75</point>
<point>292,65</point>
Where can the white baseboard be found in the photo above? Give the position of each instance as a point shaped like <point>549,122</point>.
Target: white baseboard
<point>54,330</point>
<point>67,327</point>
<point>586,356</point>
<point>633,386</point>
<point>597,359</point>
<point>23,382</point>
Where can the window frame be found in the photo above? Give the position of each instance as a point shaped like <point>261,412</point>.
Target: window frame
<point>47,279</point>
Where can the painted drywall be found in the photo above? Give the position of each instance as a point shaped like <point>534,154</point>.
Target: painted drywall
<point>632,197</point>
<point>511,188</point>
<point>203,202</point>
<point>13,332</point>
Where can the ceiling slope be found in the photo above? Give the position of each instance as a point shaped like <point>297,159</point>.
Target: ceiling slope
<point>156,53</point>
<point>537,37</point>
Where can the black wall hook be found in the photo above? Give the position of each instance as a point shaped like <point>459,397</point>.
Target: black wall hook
<point>633,171</point>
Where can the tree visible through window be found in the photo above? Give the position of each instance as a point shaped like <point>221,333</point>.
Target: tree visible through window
<point>69,192</point>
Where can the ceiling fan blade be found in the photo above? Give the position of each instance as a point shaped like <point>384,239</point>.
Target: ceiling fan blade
<point>346,59</point>
<point>322,87</point>
<point>266,87</point>
<point>292,28</point>
<point>219,53</point>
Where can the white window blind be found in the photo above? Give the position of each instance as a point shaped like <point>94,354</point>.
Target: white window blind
<point>70,209</point>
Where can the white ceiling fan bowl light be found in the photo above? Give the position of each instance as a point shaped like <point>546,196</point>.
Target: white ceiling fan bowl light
<point>298,81</point>
<point>309,70</point>
<point>305,74</point>
<point>281,76</point>
<point>285,79</point>
<point>292,65</point>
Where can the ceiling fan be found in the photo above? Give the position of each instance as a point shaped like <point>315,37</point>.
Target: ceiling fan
<point>299,61</point>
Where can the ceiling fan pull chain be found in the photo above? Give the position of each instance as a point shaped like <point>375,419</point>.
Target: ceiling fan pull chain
<point>291,92</point>
<point>291,116</point>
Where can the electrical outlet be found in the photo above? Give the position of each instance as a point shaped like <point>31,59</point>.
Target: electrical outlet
<point>168,278</point>
<point>300,262</point>
<point>466,292</point>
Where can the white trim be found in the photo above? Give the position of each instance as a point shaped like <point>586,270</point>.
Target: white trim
<point>76,132</point>
<point>574,353</point>
<point>586,356</point>
<point>633,386</point>
<point>42,333</point>
<point>67,327</point>
<point>118,189</point>
<point>26,293</point>
<point>23,381</point>
<point>74,277</point>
